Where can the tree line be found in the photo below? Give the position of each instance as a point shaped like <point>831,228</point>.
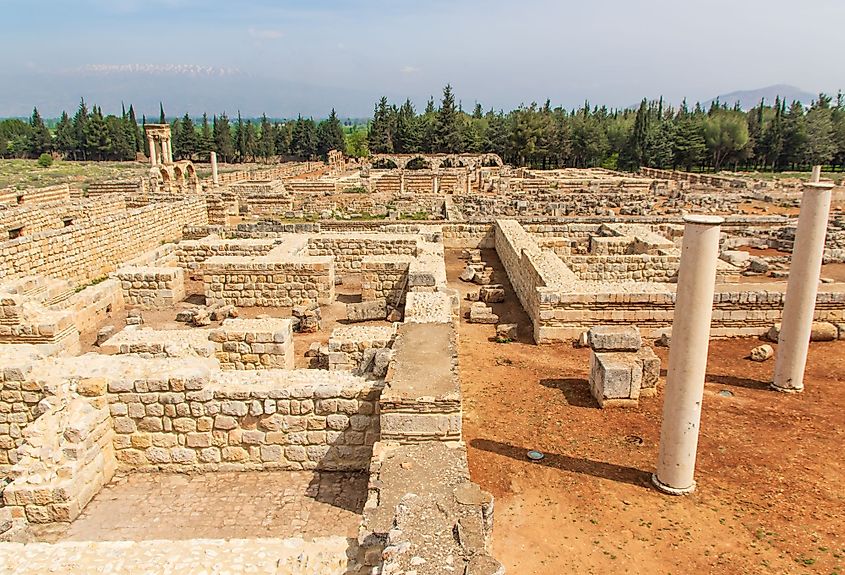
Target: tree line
<point>89,135</point>
<point>771,136</point>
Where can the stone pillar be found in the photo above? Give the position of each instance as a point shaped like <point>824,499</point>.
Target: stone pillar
<point>468,184</point>
<point>214,177</point>
<point>816,175</point>
<point>169,151</point>
<point>688,355</point>
<point>401,181</point>
<point>153,159</point>
<point>803,284</point>
<point>435,184</point>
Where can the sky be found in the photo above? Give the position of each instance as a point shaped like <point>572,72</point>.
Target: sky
<point>292,57</point>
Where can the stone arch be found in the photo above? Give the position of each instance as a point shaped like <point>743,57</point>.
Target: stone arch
<point>178,177</point>
<point>491,160</point>
<point>418,162</point>
<point>191,177</point>
<point>386,163</point>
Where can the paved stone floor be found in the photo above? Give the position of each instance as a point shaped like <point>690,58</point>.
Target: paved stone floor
<point>242,505</point>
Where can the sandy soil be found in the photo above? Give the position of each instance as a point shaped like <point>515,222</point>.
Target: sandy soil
<point>770,495</point>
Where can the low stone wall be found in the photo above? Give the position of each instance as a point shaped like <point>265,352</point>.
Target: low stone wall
<point>186,415</point>
<point>422,400</point>
<point>151,287</point>
<point>349,250</point>
<point>192,253</point>
<point>254,344</point>
<point>246,282</point>
<point>14,197</point>
<point>67,458</point>
<point>152,343</point>
<point>352,348</point>
<point>20,395</point>
<point>463,236</point>
<point>638,268</point>
<point>385,277</point>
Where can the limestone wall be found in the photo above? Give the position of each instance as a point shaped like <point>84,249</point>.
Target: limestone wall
<point>192,253</point>
<point>20,395</point>
<point>35,218</point>
<point>14,197</point>
<point>254,344</point>
<point>247,282</point>
<point>384,277</point>
<point>350,249</point>
<point>84,253</point>
<point>457,236</point>
<point>151,287</point>
<point>67,458</point>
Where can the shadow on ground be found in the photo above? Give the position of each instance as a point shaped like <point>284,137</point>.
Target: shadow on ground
<point>580,465</point>
<point>575,390</point>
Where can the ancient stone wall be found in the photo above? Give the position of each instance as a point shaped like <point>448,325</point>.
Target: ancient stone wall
<point>67,458</point>
<point>34,218</point>
<point>248,282</point>
<point>151,287</point>
<point>14,197</point>
<point>84,253</point>
<point>192,253</point>
<point>349,250</point>
<point>254,344</point>
<point>385,277</point>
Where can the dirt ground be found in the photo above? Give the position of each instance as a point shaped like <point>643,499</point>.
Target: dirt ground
<point>332,316</point>
<point>770,474</point>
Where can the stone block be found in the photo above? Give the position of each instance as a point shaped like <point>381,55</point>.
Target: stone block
<point>613,378</point>
<point>367,310</point>
<point>606,338</point>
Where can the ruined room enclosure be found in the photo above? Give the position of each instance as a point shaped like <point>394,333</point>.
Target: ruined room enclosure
<point>233,389</point>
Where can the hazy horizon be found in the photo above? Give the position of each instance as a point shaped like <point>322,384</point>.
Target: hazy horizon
<point>299,57</point>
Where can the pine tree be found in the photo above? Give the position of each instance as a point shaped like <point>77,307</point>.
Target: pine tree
<point>187,142</point>
<point>267,139</point>
<point>448,125</point>
<point>66,142</point>
<point>206,139</point>
<point>250,141</point>
<point>162,119</point>
<point>240,139</point>
<point>821,146</point>
<point>80,121</point>
<point>40,140</point>
<point>284,139</point>
<point>380,136</point>
<point>330,135</point>
<point>97,141</point>
<point>136,132</point>
<point>408,134</point>
<point>223,139</point>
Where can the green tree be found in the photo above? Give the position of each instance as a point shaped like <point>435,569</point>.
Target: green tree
<point>795,137</point>
<point>821,145</point>
<point>186,141</point>
<point>97,141</point>
<point>688,146</point>
<point>447,130</point>
<point>356,143</point>
<point>222,135</point>
<point>40,140</point>
<point>137,136</point>
<point>162,119</point>
<point>330,135</point>
<point>66,142</point>
<point>380,136</point>
<point>725,134</point>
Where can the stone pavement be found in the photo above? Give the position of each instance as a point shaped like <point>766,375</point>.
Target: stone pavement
<point>236,505</point>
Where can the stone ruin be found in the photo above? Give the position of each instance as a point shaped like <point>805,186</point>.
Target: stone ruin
<point>254,370</point>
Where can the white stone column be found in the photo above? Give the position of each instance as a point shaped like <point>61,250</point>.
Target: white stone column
<point>214,177</point>
<point>435,184</point>
<point>816,175</point>
<point>801,289</point>
<point>153,159</point>
<point>688,355</point>
<point>169,151</point>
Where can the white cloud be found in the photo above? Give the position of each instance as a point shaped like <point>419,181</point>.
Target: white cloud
<point>409,70</point>
<point>265,33</point>
<point>158,69</point>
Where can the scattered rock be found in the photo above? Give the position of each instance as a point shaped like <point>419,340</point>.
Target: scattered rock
<point>479,312</point>
<point>468,274</point>
<point>492,293</point>
<point>663,337</point>
<point>103,334</point>
<point>736,258</point>
<point>506,332</point>
<point>758,265</point>
<point>762,353</point>
<point>394,315</point>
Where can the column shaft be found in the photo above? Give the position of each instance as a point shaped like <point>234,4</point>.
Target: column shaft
<point>153,159</point>
<point>688,355</point>
<point>801,289</point>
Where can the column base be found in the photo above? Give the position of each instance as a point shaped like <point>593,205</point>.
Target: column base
<point>776,387</point>
<point>670,490</point>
